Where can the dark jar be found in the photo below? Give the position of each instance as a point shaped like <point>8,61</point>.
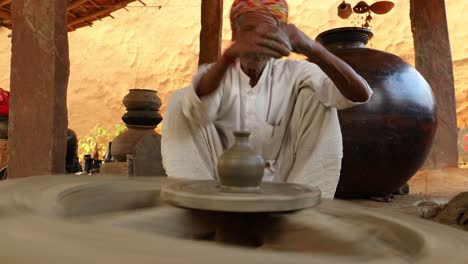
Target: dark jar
<point>387,140</point>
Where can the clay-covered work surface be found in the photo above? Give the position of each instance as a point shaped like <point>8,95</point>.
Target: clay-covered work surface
<point>454,213</point>
<point>103,219</point>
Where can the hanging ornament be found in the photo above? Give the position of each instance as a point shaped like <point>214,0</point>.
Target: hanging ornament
<point>361,8</point>
<point>344,10</point>
<point>382,7</point>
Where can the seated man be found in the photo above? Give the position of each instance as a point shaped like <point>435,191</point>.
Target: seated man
<point>289,106</point>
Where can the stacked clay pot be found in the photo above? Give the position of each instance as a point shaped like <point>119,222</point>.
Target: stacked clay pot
<point>141,119</point>
<point>142,108</point>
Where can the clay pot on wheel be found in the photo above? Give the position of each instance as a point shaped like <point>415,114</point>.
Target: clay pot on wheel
<point>140,99</point>
<point>387,140</point>
<point>239,167</point>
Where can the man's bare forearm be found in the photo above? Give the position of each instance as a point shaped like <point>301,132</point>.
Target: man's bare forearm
<point>350,84</point>
<point>211,80</point>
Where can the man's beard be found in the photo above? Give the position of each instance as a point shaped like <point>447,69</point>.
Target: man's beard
<point>253,65</point>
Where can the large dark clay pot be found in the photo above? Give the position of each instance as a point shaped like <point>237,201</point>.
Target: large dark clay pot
<point>386,140</point>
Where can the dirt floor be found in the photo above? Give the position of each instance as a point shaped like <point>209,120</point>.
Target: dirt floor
<point>436,185</point>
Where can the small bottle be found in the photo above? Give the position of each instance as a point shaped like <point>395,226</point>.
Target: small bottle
<point>88,163</point>
<point>96,166</point>
<point>108,157</point>
<point>130,165</point>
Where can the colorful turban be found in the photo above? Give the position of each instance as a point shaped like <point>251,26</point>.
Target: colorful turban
<point>276,8</point>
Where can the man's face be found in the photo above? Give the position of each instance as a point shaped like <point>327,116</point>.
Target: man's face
<point>253,63</point>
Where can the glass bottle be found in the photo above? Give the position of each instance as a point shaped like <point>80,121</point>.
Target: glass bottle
<point>108,157</point>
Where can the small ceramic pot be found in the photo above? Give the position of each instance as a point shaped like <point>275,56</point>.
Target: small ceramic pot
<point>239,167</point>
<point>345,10</point>
<point>141,99</point>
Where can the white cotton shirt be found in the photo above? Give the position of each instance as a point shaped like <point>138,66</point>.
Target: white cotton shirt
<point>261,108</point>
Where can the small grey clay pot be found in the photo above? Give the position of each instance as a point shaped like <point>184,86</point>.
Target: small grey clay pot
<point>141,99</point>
<point>240,168</point>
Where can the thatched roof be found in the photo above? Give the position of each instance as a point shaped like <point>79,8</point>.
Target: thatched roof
<point>81,13</point>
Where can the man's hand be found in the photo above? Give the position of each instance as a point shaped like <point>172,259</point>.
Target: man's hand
<point>350,84</point>
<point>263,40</point>
<point>300,42</point>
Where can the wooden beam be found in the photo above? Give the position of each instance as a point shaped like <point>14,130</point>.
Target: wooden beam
<point>6,23</point>
<point>211,31</point>
<point>70,12</point>
<point>76,3</point>
<point>4,2</point>
<point>94,3</point>
<point>39,78</point>
<point>5,15</point>
<point>100,12</point>
<point>434,62</point>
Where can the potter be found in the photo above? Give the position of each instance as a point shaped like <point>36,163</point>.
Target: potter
<point>289,106</point>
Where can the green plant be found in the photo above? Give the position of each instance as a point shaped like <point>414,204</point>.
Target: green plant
<point>119,129</point>
<point>95,143</point>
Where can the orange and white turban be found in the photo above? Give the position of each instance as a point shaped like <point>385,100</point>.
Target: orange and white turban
<point>275,8</point>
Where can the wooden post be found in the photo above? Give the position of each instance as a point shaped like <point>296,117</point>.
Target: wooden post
<point>39,78</point>
<point>434,62</point>
<point>211,30</point>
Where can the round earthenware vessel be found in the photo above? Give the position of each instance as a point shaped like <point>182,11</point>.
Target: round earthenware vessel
<point>386,140</point>
<point>239,166</point>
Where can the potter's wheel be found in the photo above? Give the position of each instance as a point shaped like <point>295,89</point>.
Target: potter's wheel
<point>271,197</point>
